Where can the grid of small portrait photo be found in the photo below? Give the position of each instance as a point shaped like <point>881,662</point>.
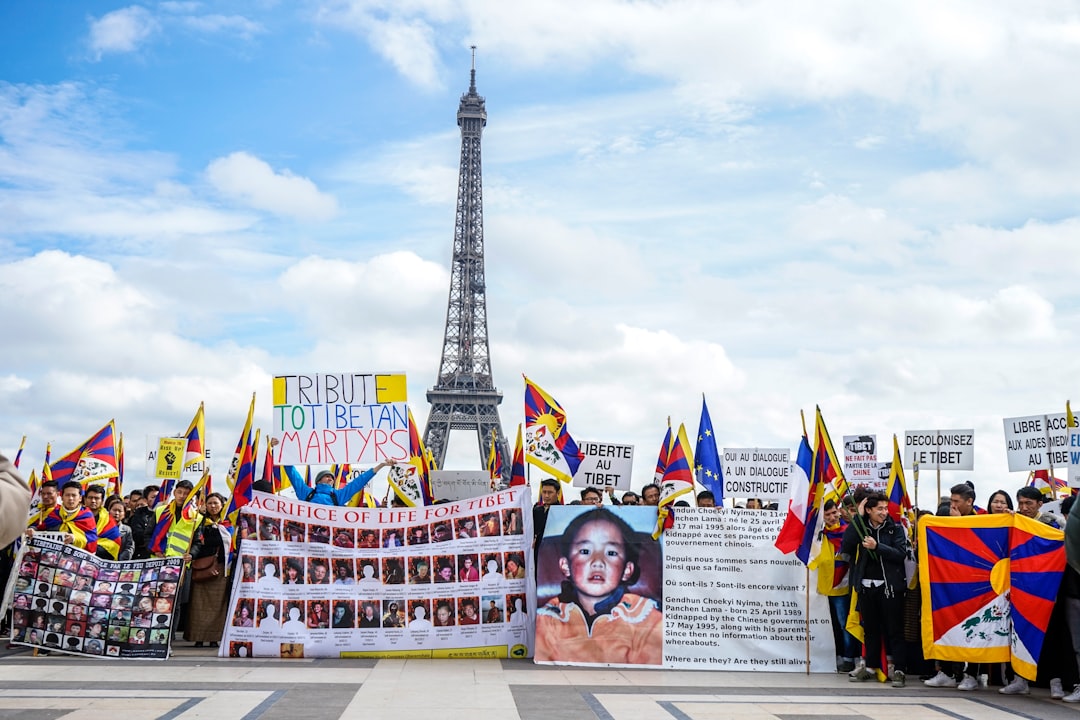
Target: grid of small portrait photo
<point>440,578</point>
<point>68,600</point>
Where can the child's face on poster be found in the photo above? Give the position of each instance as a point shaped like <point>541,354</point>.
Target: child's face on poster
<point>597,561</point>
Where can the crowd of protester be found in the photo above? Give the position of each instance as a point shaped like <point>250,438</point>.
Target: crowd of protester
<point>877,551</point>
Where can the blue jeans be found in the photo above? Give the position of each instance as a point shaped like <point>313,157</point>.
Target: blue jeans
<point>846,645</point>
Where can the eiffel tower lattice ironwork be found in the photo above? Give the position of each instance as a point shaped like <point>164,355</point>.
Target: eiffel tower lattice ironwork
<point>464,396</point>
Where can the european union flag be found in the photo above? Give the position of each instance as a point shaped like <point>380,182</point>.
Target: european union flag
<point>707,470</point>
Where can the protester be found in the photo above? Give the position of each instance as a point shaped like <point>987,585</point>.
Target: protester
<point>70,518</point>
<point>832,582</point>
<point>117,509</point>
<point>705,498</point>
<point>142,522</point>
<point>208,607</point>
<point>879,548</point>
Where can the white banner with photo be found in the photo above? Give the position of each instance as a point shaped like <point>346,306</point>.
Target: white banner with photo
<point>68,600</point>
<point>712,593</point>
<point>448,580</point>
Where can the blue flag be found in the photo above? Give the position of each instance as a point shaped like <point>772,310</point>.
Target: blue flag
<point>707,469</point>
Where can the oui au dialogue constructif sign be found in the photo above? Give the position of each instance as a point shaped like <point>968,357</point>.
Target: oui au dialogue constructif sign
<point>323,419</point>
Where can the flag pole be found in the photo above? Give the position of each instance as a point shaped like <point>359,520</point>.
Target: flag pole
<point>915,473</point>
<point>806,606</point>
<point>806,616</point>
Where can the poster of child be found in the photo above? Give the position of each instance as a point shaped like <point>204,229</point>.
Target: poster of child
<point>599,588</point>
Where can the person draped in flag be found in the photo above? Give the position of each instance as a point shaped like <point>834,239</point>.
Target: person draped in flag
<point>878,548</point>
<point>832,581</point>
<point>73,520</point>
<point>176,523</point>
<point>108,546</point>
<point>48,499</point>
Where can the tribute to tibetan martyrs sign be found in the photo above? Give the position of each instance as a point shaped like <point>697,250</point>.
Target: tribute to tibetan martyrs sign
<point>357,418</point>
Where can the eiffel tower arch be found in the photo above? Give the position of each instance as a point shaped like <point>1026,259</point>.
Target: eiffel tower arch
<point>464,396</point>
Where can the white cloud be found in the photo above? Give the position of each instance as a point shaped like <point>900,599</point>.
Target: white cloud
<point>121,31</point>
<point>235,25</point>
<point>248,179</point>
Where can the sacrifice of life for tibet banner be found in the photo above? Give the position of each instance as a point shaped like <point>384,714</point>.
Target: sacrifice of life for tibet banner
<point>68,600</point>
<point>712,593</point>
<point>448,580</point>
<point>988,586</point>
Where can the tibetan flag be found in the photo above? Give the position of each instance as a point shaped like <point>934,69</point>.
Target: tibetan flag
<point>989,583</point>
<point>272,474</point>
<point>900,508</point>
<point>243,479</point>
<point>517,469</point>
<point>548,444</point>
<point>241,444</point>
<point>1049,485</point>
<point>411,481</point>
<point>119,483</point>
<point>196,439</point>
<point>108,535</point>
<point>79,523</point>
<point>18,455</point>
<point>494,462</point>
<point>827,471</point>
<point>662,457</point>
<point>678,480</point>
<point>707,468</point>
<point>801,520</point>
<point>832,573</point>
<point>678,476</point>
<point>91,462</point>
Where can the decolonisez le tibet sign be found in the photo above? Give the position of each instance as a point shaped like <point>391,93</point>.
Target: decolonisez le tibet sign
<point>940,449</point>
<point>324,419</point>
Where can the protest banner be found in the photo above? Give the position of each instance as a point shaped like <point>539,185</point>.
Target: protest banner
<point>449,580</point>
<point>1036,442</point>
<point>713,592</point>
<point>325,419</point>
<point>860,459</point>
<point>939,449</point>
<point>459,484</point>
<point>604,465</point>
<point>1074,457</point>
<point>68,600</point>
<point>757,473</point>
<point>192,472</point>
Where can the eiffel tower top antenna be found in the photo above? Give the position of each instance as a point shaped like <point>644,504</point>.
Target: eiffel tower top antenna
<point>464,396</point>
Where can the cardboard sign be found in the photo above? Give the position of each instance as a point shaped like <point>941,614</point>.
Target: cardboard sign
<point>170,458</point>
<point>757,473</point>
<point>860,458</point>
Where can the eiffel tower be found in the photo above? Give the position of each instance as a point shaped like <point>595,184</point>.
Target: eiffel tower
<point>464,396</point>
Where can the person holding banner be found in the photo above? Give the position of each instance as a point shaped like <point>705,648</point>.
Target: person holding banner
<point>879,547</point>
<point>324,493</point>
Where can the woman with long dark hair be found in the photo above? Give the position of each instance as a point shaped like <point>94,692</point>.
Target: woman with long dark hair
<point>207,610</point>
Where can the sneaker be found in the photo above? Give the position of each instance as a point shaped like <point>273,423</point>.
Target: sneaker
<point>1074,696</point>
<point>1019,686</point>
<point>941,680</point>
<point>861,674</point>
<point>898,679</point>
<point>855,670</point>
<point>1056,691</point>
<point>968,683</point>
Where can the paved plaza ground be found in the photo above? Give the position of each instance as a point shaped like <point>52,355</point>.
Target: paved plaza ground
<point>196,684</point>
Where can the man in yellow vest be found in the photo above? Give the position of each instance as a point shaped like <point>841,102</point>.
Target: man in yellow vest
<point>173,537</point>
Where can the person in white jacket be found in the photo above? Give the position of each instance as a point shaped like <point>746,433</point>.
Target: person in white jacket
<point>14,502</point>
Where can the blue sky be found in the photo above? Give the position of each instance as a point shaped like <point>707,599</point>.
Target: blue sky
<point>870,209</point>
